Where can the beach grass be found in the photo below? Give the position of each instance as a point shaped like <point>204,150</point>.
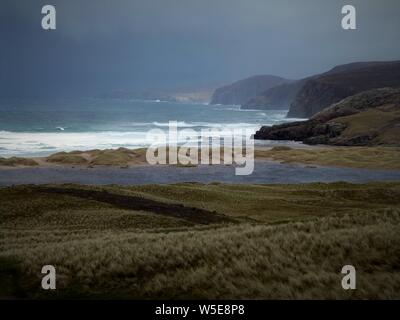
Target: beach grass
<point>17,162</point>
<point>67,158</point>
<point>353,157</point>
<point>277,241</point>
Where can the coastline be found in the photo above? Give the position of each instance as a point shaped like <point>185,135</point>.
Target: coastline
<point>286,153</point>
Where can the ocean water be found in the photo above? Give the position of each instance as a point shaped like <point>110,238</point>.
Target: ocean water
<point>42,127</point>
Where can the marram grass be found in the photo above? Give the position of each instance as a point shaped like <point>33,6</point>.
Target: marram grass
<point>286,242</point>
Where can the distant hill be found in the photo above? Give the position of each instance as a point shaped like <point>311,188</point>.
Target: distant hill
<point>309,95</point>
<point>368,118</point>
<point>241,91</point>
<point>319,92</point>
<point>275,98</point>
<point>182,95</point>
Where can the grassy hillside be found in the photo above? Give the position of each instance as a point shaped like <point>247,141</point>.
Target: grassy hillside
<point>254,241</point>
<point>381,125</point>
<point>369,118</point>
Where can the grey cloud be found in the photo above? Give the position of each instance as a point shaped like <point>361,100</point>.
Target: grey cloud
<point>104,45</point>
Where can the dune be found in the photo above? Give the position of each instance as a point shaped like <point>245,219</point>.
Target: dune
<point>17,162</point>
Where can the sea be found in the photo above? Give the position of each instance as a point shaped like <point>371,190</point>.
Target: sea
<point>39,127</point>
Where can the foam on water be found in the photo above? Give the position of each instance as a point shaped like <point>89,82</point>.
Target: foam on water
<point>38,128</point>
<point>29,144</point>
<point>41,144</point>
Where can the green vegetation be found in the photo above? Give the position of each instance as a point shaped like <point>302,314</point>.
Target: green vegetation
<point>67,158</point>
<point>382,124</point>
<point>16,161</point>
<point>119,157</point>
<point>356,157</point>
<point>253,241</point>
<point>111,159</point>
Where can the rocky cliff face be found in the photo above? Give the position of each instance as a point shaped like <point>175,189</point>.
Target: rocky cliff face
<point>241,91</point>
<point>275,98</point>
<point>307,96</point>
<point>321,91</point>
<point>367,118</point>
<point>303,91</point>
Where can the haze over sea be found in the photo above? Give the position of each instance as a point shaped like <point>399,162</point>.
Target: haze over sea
<point>42,127</point>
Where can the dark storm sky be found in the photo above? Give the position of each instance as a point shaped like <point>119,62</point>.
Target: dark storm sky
<point>100,45</point>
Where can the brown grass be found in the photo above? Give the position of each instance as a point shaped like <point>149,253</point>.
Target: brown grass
<point>16,161</point>
<point>379,122</point>
<point>355,157</point>
<point>104,251</point>
<point>67,158</point>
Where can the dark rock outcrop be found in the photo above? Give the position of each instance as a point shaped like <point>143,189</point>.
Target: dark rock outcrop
<point>311,130</point>
<point>321,91</point>
<point>239,92</point>
<point>368,118</point>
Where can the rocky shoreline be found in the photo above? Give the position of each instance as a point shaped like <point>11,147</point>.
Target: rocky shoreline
<point>369,118</point>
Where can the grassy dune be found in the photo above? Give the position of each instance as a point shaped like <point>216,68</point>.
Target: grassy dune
<point>67,158</point>
<point>269,241</point>
<point>121,157</point>
<point>354,157</point>
<point>17,161</point>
